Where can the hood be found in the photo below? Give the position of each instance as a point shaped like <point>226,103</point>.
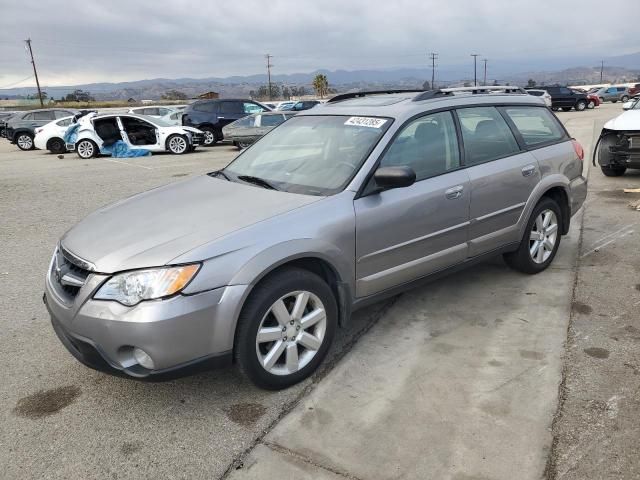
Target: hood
<point>189,129</point>
<point>152,228</point>
<point>629,120</point>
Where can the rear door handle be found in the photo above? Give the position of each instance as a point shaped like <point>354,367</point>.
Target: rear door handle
<point>528,170</point>
<point>454,192</point>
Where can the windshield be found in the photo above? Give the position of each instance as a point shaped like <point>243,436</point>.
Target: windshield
<point>312,155</point>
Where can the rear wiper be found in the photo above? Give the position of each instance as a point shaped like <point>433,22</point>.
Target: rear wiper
<point>219,173</point>
<point>257,181</point>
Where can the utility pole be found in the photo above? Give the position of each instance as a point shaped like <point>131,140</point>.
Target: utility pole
<point>269,65</point>
<point>475,68</point>
<point>485,72</point>
<point>28,42</point>
<point>601,69</point>
<point>433,57</point>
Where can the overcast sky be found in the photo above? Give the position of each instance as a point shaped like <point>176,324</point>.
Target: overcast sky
<point>81,41</point>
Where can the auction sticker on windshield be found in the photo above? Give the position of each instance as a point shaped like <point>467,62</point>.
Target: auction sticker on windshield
<point>371,122</point>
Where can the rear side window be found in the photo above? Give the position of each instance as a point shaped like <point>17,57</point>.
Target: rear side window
<point>428,145</point>
<point>486,135</point>
<point>536,125</point>
<point>208,107</point>
<point>272,120</point>
<point>64,123</point>
<point>231,107</point>
<point>28,117</point>
<point>49,115</point>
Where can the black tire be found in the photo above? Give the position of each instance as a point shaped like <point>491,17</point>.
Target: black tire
<point>56,145</point>
<point>614,101</point>
<point>521,259</point>
<point>210,136</point>
<point>83,146</point>
<point>613,170</point>
<point>566,109</point>
<point>555,109</point>
<point>177,144</point>
<point>581,105</point>
<point>624,99</point>
<point>591,105</point>
<point>24,141</point>
<point>257,307</point>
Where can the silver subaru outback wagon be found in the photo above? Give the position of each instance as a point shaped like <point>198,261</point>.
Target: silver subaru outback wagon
<point>262,262</point>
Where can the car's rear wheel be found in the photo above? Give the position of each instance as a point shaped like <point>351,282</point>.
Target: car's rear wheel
<point>209,136</point>
<point>614,101</point>
<point>613,170</point>
<point>177,144</point>
<point>86,149</point>
<point>56,145</point>
<point>243,145</point>
<point>285,329</point>
<point>541,239</point>
<point>25,141</point>
<point>591,105</point>
<point>625,98</point>
<point>581,105</point>
<point>566,109</point>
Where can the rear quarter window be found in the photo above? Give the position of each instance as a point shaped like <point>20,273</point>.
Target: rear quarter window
<point>536,125</point>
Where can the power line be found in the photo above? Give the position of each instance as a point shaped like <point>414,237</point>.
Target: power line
<point>433,56</point>
<point>16,83</point>
<point>33,62</point>
<point>475,68</point>
<point>269,65</point>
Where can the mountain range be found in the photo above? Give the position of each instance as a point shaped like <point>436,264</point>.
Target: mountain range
<point>618,69</point>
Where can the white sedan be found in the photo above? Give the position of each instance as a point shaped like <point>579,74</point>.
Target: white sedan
<point>50,136</point>
<point>97,134</point>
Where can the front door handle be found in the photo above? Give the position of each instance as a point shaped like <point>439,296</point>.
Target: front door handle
<point>528,170</point>
<point>454,192</point>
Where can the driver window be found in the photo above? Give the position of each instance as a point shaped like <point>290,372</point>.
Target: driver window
<point>139,131</point>
<point>428,145</point>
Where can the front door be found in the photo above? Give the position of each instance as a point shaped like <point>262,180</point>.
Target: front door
<point>407,233</point>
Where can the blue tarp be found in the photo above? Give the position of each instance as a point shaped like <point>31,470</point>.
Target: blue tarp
<point>118,149</point>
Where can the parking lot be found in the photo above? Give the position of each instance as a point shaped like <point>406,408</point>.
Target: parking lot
<point>461,378</point>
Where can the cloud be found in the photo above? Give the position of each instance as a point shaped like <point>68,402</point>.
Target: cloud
<point>76,41</point>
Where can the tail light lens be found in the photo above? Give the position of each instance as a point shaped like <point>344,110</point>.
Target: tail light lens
<point>578,148</point>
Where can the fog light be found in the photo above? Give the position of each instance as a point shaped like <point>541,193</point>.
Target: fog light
<point>143,358</point>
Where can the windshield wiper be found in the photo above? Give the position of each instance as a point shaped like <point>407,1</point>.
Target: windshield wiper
<point>219,173</point>
<point>257,181</point>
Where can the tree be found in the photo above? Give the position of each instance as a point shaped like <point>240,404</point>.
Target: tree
<point>302,91</point>
<point>286,94</point>
<point>174,95</point>
<point>531,83</point>
<point>321,85</point>
<point>79,96</point>
<point>426,85</point>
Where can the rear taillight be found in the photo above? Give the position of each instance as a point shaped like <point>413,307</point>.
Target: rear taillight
<point>578,148</point>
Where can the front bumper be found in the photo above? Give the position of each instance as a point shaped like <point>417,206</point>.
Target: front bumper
<point>178,333</point>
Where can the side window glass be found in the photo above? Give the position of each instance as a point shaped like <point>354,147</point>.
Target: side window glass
<point>428,145</point>
<point>64,123</point>
<point>208,107</point>
<point>28,117</point>
<point>486,135</point>
<point>230,107</point>
<point>251,108</point>
<point>535,124</point>
<point>47,115</point>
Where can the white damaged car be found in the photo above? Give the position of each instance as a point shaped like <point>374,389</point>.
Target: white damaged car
<point>94,134</point>
<point>618,147</point>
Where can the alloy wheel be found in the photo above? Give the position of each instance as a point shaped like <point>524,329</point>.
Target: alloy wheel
<point>291,333</point>
<point>543,236</point>
<point>209,137</point>
<point>25,142</point>
<point>85,149</point>
<point>178,145</point>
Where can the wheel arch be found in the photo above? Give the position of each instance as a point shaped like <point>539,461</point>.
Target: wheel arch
<point>20,131</point>
<point>557,188</point>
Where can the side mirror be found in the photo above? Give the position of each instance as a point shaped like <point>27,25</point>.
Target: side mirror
<point>394,177</point>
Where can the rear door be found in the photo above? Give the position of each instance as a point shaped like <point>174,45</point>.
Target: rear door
<point>229,111</point>
<point>502,178</point>
<point>407,233</point>
<point>42,118</point>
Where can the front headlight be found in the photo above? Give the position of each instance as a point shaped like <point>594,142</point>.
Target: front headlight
<point>131,288</point>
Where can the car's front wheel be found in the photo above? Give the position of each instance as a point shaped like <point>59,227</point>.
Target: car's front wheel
<point>209,136</point>
<point>285,328</point>
<point>541,239</point>
<point>625,98</point>
<point>177,144</point>
<point>591,105</point>
<point>25,141</point>
<point>581,105</point>
<point>86,149</point>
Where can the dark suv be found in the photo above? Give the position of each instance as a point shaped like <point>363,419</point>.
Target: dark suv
<point>564,98</point>
<point>211,115</point>
<point>20,128</point>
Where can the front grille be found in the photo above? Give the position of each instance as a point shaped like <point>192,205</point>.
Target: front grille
<point>68,274</point>
<point>197,138</point>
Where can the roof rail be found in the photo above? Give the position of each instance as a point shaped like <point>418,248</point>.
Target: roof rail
<point>486,89</point>
<point>347,96</point>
